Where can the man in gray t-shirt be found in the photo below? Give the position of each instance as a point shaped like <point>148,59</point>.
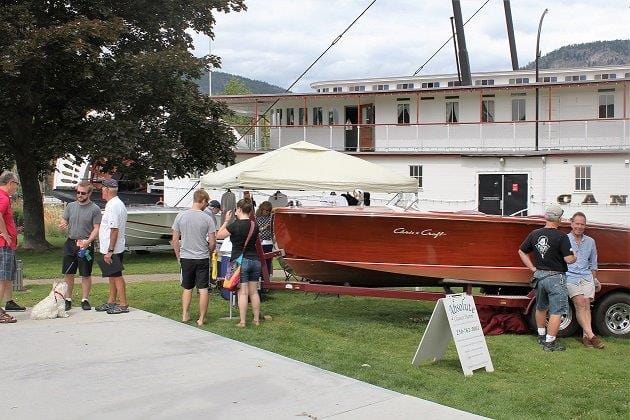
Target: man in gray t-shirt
<point>82,219</point>
<point>193,241</point>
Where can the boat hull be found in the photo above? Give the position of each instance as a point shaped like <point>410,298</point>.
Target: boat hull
<point>149,226</point>
<point>384,247</point>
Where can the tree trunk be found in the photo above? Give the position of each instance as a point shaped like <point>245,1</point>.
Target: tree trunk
<point>34,229</point>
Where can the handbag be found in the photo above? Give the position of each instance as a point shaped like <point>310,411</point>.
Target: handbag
<point>233,281</point>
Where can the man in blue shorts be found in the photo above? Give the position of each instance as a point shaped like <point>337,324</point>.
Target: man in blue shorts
<point>552,252</point>
<point>8,244</point>
<point>194,239</point>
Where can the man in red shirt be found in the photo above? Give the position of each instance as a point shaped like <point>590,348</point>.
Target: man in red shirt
<point>8,243</point>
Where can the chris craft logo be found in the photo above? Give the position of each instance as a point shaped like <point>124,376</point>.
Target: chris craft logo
<point>425,232</point>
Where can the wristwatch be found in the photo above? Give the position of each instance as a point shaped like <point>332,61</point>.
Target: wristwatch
<point>110,250</point>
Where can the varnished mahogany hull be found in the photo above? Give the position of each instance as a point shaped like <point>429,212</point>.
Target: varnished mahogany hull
<point>377,246</point>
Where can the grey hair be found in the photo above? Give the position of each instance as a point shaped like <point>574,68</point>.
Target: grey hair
<point>7,177</point>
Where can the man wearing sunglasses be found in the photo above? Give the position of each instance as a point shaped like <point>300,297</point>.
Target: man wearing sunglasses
<point>8,243</point>
<point>82,219</point>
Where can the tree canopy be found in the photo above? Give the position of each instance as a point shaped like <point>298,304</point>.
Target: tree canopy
<point>108,81</point>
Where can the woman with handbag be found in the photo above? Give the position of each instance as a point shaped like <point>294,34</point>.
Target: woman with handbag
<point>243,233</point>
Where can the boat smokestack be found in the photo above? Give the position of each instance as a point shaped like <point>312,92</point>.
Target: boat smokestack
<point>510,31</point>
<point>464,64</point>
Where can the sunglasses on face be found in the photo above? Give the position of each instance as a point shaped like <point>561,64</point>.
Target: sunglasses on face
<point>82,193</point>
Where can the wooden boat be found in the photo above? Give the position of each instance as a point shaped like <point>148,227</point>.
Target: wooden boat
<point>382,246</point>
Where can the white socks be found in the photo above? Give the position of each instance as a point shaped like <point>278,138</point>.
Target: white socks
<point>542,331</point>
<point>550,338</point>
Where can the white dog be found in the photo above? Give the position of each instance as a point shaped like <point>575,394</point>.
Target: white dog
<point>53,305</point>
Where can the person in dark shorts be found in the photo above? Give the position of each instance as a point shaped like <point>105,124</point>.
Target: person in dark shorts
<point>552,252</point>
<point>111,241</point>
<point>194,240</point>
<point>82,219</point>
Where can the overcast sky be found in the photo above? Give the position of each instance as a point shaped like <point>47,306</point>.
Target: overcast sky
<point>275,40</point>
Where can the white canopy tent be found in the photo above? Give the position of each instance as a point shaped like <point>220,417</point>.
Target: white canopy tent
<point>305,166</point>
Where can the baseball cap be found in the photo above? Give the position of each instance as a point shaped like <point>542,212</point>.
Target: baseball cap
<point>215,204</point>
<point>110,183</point>
<point>553,212</point>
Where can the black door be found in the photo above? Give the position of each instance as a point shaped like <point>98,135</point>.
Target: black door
<point>503,194</point>
<point>351,120</point>
<point>515,194</point>
<point>490,194</point>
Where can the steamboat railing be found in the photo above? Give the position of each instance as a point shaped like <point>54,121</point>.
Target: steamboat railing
<point>561,135</point>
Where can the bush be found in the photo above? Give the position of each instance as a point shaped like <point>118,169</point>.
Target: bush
<point>18,213</point>
<point>52,217</point>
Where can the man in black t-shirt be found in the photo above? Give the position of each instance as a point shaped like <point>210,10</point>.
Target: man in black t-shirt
<point>552,251</point>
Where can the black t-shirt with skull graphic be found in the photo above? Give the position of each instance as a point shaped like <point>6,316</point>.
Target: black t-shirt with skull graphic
<point>549,247</point>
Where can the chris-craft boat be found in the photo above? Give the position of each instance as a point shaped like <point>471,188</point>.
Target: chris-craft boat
<point>381,246</point>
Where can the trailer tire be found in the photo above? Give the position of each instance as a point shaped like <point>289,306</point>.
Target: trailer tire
<point>612,315</point>
<point>568,326</point>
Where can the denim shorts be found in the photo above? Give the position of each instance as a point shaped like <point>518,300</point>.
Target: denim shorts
<point>250,270</point>
<point>552,294</point>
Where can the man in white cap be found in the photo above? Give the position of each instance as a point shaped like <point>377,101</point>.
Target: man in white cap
<point>552,252</point>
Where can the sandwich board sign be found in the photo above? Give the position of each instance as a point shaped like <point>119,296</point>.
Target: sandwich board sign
<point>455,316</point>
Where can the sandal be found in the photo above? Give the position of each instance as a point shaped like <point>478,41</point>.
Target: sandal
<point>241,325</point>
<point>5,318</point>
<point>255,322</point>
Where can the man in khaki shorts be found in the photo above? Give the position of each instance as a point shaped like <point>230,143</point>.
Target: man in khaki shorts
<point>582,278</point>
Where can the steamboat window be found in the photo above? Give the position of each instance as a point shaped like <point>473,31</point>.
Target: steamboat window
<point>333,116</point>
<point>454,83</point>
<point>484,82</point>
<point>356,88</point>
<point>317,115</point>
<point>301,116</point>
<point>290,116</point>
<point>415,171</point>
<point>452,111</point>
<point>575,78</point>
<point>583,178</point>
<point>380,87</point>
<point>337,89</point>
<point>519,80</point>
<point>487,110</point>
<point>605,76</point>
<point>403,113</point>
<point>548,79</point>
<point>404,86</point>
<point>278,120</point>
<point>518,110</point>
<point>324,90</point>
<point>606,105</point>
<point>428,85</point>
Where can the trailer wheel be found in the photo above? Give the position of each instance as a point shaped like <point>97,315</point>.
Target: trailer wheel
<point>612,315</point>
<point>568,323</point>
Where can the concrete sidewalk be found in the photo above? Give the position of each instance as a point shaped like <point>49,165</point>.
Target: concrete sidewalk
<point>140,365</point>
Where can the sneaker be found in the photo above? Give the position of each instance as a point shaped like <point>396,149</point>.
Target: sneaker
<point>68,305</point>
<point>11,306</point>
<point>542,339</point>
<point>104,307</point>
<point>118,309</point>
<point>587,342</point>
<point>596,342</point>
<point>553,346</point>
<point>85,305</point>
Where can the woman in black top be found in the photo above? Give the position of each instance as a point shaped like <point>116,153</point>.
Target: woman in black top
<point>250,267</point>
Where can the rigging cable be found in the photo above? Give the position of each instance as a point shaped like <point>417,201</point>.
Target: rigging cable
<point>448,40</point>
<point>307,69</point>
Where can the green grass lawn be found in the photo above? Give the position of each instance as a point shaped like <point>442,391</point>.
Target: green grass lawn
<point>342,334</point>
<point>47,264</point>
